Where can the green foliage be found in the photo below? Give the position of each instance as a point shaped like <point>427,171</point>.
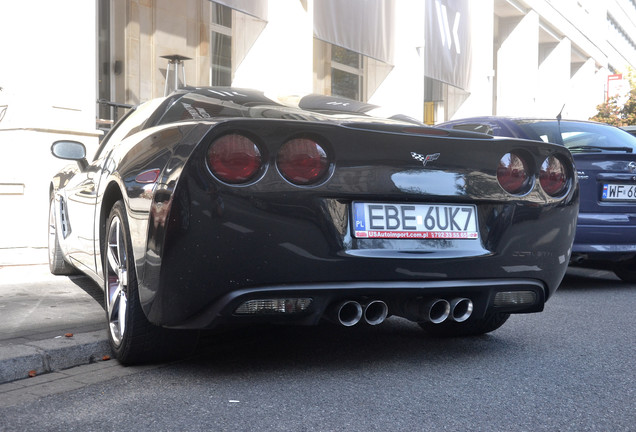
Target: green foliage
<point>611,112</point>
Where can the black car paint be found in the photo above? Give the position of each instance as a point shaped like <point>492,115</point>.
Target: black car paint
<point>606,230</point>
<point>309,228</point>
<point>196,258</point>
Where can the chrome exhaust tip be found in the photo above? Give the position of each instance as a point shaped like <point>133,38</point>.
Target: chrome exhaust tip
<point>348,313</point>
<point>437,311</point>
<point>461,309</point>
<point>375,312</point>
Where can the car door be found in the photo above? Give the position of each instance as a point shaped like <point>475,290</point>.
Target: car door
<point>79,198</point>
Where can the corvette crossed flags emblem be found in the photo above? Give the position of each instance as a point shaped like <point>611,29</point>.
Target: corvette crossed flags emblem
<point>424,159</point>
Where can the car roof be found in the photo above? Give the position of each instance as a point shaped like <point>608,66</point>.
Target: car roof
<point>519,118</point>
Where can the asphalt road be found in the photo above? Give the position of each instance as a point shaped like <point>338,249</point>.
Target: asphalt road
<point>569,368</point>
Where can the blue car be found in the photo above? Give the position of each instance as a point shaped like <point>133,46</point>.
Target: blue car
<point>605,159</point>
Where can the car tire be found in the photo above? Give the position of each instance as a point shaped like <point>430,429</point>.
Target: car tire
<point>57,264</point>
<point>472,327</point>
<point>626,270</point>
<point>133,339</point>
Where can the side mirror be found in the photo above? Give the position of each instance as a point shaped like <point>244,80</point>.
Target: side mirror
<point>70,150</point>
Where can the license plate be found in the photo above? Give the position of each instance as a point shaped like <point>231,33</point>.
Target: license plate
<point>415,221</point>
<point>619,192</point>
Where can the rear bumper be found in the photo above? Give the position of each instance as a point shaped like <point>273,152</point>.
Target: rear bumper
<point>398,296</point>
<point>606,236</point>
<point>208,270</point>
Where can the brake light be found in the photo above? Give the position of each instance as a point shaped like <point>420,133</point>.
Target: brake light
<point>512,174</point>
<point>234,158</point>
<point>303,161</point>
<point>553,176</point>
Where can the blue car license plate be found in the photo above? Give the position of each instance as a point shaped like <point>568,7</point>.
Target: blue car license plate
<point>415,221</point>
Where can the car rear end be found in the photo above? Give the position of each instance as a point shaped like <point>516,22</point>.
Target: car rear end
<point>605,158</point>
<point>317,217</point>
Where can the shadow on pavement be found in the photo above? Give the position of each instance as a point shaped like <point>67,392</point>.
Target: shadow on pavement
<point>578,278</point>
<point>89,287</point>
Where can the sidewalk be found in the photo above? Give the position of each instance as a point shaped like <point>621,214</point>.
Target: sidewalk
<point>47,322</point>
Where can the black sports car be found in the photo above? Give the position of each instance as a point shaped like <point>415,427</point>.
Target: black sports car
<point>220,206</point>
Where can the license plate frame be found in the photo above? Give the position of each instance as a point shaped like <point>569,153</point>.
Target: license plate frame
<point>414,221</point>
<point>624,192</point>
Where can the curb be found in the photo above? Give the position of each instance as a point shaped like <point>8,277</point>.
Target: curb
<point>18,361</point>
<point>23,256</point>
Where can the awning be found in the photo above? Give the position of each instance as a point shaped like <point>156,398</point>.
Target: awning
<point>362,26</point>
<point>256,8</point>
<point>448,49</point>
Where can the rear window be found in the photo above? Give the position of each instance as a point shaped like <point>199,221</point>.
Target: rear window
<point>476,127</point>
<point>230,104</point>
<point>579,136</point>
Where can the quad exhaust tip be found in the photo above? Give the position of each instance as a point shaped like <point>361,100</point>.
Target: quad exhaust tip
<point>461,309</point>
<point>349,313</point>
<point>437,311</point>
<point>375,312</point>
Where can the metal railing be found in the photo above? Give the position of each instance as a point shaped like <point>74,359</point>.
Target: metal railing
<point>104,124</point>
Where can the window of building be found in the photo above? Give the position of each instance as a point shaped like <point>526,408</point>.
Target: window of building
<point>110,67</point>
<point>441,100</point>
<point>135,39</point>
<point>347,73</point>
<point>620,38</point>
<point>340,72</point>
<point>233,31</point>
<point>221,45</point>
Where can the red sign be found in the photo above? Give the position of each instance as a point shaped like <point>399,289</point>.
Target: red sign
<point>616,86</point>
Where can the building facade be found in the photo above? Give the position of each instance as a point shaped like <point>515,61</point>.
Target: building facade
<point>72,67</point>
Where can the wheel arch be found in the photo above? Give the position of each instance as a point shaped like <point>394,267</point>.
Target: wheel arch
<point>112,194</point>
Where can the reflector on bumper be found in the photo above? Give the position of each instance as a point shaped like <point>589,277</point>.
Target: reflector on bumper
<point>515,298</point>
<point>273,306</point>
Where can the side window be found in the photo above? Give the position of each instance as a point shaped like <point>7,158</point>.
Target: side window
<point>476,127</point>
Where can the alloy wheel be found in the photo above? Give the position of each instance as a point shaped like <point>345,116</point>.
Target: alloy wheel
<point>52,232</point>
<point>116,280</point>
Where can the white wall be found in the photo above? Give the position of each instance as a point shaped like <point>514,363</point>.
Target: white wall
<point>586,91</point>
<point>48,81</point>
<point>517,75</point>
<point>48,63</point>
<point>554,78</point>
<point>402,91</point>
<point>480,101</point>
<point>281,59</point>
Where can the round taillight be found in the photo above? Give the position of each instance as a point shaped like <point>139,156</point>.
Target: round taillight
<point>234,158</point>
<point>303,161</point>
<point>512,174</point>
<point>553,176</point>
